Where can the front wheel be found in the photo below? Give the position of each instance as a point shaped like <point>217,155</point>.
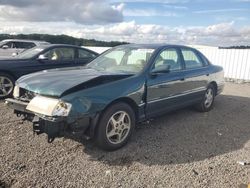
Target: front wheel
<point>115,127</point>
<point>6,85</point>
<point>208,100</point>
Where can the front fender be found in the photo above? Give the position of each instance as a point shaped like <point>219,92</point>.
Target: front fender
<point>94,100</point>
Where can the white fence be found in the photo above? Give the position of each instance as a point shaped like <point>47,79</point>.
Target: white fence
<point>236,62</point>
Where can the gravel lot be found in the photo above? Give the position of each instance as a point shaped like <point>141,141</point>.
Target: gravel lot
<point>181,149</point>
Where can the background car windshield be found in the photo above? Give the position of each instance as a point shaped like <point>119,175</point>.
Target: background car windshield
<point>30,53</point>
<point>122,59</point>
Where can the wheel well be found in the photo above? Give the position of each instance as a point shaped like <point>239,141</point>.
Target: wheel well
<point>9,73</point>
<point>126,100</point>
<point>214,84</point>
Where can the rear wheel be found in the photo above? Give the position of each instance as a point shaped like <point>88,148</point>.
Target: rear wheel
<point>208,100</point>
<point>6,85</point>
<point>115,127</point>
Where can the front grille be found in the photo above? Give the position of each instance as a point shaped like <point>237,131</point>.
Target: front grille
<point>26,95</point>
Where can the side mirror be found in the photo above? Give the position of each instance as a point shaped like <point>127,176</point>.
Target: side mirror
<point>161,69</point>
<point>42,57</point>
<point>5,47</point>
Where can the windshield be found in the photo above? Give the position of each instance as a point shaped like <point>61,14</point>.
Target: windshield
<point>27,54</point>
<point>122,60</point>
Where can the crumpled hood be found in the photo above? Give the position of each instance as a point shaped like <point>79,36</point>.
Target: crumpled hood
<point>57,81</point>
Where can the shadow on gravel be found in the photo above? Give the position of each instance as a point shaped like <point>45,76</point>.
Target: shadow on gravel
<point>184,136</point>
<point>3,184</point>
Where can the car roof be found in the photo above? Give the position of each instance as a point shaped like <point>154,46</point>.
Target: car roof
<point>25,40</point>
<point>65,45</point>
<point>155,46</point>
<point>61,45</point>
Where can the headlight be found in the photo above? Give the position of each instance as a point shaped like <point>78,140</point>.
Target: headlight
<point>16,92</point>
<point>49,106</point>
<point>62,109</point>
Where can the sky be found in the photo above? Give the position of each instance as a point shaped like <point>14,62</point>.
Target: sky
<point>202,22</point>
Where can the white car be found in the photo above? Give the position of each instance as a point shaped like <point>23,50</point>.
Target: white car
<point>12,47</point>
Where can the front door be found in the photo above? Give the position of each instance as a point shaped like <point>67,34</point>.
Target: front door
<point>165,89</point>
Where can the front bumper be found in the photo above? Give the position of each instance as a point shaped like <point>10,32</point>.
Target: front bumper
<point>52,126</point>
<point>17,105</point>
<point>220,88</point>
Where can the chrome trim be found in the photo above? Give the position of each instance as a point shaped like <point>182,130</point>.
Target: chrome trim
<point>178,95</point>
<point>142,104</point>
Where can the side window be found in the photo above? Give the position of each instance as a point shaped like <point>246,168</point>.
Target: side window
<point>191,59</point>
<point>9,44</point>
<point>24,45</point>
<point>83,54</point>
<point>204,59</point>
<point>168,57</point>
<point>18,45</point>
<point>27,45</point>
<point>60,54</point>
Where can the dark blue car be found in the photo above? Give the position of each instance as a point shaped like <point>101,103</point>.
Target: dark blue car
<point>40,58</point>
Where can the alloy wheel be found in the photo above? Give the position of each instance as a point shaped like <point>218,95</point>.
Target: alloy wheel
<point>6,86</point>
<point>209,97</point>
<point>118,127</point>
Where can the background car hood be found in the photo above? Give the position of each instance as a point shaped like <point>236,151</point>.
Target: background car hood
<point>57,81</point>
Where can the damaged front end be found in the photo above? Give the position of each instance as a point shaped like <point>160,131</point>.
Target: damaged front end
<point>69,103</point>
<point>48,115</point>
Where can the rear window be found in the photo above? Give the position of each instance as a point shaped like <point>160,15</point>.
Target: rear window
<point>84,54</point>
<point>24,45</point>
<point>192,60</point>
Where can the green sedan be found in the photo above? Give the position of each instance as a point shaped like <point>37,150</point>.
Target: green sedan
<point>124,86</point>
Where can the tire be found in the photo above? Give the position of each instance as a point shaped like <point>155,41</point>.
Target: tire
<point>115,127</point>
<point>208,100</point>
<point>7,84</point>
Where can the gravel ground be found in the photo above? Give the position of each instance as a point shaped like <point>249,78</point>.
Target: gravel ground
<point>181,149</point>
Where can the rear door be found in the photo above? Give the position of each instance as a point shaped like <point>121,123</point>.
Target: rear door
<point>164,90</point>
<point>196,74</point>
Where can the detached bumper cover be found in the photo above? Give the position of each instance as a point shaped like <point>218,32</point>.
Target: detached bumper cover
<point>52,126</point>
<point>17,105</point>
